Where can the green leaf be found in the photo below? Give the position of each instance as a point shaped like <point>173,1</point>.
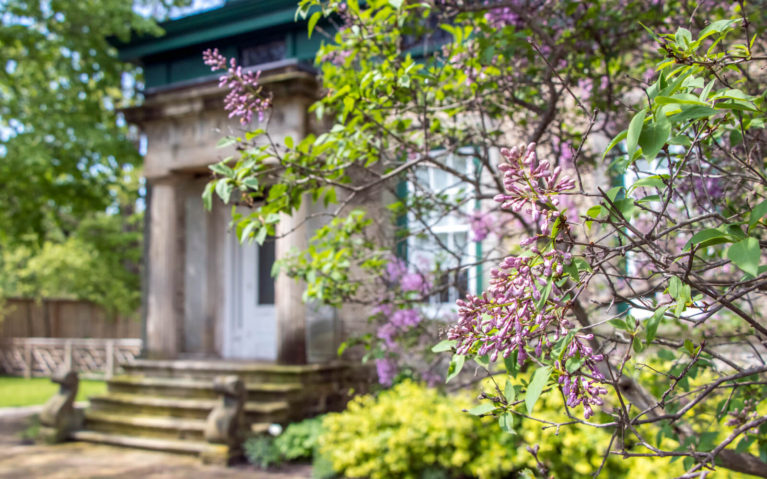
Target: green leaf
<point>715,27</point>
<point>261,235</point>
<point>654,136</point>
<point>674,286</point>
<point>251,183</point>
<point>535,388</point>
<point>207,195</point>
<point>506,421</point>
<point>482,409</point>
<point>559,348</point>
<point>757,213</point>
<point>634,131</point>
<point>483,361</point>
<point>224,190</point>
<point>442,346</point>
<point>652,324</point>
<point>655,181</point>
<point>680,99</point>
<point>683,38</point>
<point>396,3</point>
<point>222,169</point>
<point>511,364</point>
<point>246,232</point>
<point>226,141</point>
<point>456,364</point>
<point>708,236</point>
<point>544,295</point>
<point>621,136</point>
<point>312,22</point>
<point>510,392</point>
<point>745,255</point>
<point>692,113</point>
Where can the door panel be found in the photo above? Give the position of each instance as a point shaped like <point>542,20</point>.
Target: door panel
<point>251,323</point>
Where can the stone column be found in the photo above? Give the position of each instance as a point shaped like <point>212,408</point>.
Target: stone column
<point>290,309</point>
<point>165,263</point>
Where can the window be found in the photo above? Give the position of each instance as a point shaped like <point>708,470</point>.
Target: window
<point>441,239</point>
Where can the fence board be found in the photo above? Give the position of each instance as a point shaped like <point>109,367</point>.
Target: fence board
<point>60,318</point>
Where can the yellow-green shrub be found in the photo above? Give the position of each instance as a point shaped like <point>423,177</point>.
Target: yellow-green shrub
<point>411,430</point>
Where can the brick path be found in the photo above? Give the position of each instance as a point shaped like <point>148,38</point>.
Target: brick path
<point>90,461</point>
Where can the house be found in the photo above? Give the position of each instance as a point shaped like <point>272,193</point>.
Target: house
<point>211,307</point>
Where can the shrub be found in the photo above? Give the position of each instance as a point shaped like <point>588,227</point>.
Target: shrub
<point>411,431</point>
<point>299,440</point>
<point>261,452</point>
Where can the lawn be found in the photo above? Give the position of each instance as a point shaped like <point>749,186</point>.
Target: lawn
<point>27,392</point>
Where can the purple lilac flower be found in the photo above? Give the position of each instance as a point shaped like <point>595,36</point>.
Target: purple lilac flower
<point>245,93</point>
<point>481,224</point>
<point>387,332</point>
<point>387,370</point>
<point>513,315</point>
<point>414,282</point>
<point>405,318</point>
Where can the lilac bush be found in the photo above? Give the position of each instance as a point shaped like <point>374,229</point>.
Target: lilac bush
<point>622,248</point>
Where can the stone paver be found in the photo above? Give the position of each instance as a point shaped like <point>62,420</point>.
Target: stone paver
<point>91,461</point>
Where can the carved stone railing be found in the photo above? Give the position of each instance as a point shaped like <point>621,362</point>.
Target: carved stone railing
<point>44,356</point>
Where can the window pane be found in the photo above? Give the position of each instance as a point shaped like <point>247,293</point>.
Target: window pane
<point>265,280</point>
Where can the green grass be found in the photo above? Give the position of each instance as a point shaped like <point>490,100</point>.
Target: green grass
<point>29,392</point>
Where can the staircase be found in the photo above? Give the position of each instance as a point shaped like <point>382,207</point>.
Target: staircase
<point>164,405</point>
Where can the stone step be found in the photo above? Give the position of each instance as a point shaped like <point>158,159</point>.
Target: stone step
<point>143,405</point>
<point>156,444</point>
<point>199,388</point>
<point>249,371</point>
<point>145,426</point>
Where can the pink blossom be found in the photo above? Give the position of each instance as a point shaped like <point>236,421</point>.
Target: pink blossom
<point>481,224</point>
<point>245,93</point>
<point>387,370</point>
<point>523,310</point>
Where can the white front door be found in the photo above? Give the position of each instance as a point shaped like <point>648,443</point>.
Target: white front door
<point>251,321</point>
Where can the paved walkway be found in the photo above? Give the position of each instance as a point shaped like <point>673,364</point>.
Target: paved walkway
<point>77,460</point>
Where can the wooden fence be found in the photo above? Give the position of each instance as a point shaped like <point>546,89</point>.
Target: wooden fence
<point>43,356</point>
<point>61,318</point>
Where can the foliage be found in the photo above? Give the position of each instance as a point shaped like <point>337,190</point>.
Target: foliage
<point>64,149</point>
<point>261,452</point>
<point>30,392</point>
<point>299,440</point>
<point>591,279</point>
<point>401,433</point>
<point>98,262</point>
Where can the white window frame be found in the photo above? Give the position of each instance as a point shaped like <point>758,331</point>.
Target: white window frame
<point>450,225</point>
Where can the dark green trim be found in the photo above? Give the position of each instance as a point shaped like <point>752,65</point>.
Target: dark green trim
<point>214,31</point>
<point>400,247</point>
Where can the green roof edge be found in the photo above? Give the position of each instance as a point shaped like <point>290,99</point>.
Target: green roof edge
<point>211,25</point>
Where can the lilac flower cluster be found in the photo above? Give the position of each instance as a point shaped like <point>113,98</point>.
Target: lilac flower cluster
<point>523,310</point>
<point>386,369</point>
<point>397,320</point>
<point>481,224</point>
<point>506,318</point>
<point>532,186</point>
<point>245,97</point>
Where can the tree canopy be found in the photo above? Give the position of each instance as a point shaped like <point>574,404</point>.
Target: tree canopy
<point>68,162</point>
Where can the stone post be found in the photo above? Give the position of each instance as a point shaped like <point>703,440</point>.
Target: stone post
<point>59,418</point>
<point>224,429</point>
